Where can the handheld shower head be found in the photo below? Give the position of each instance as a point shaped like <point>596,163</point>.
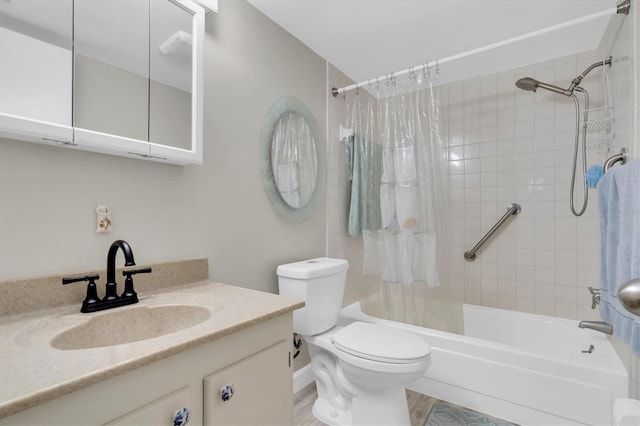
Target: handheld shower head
<point>527,83</point>
<point>531,85</point>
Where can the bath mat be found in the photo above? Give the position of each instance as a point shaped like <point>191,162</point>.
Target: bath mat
<point>444,413</point>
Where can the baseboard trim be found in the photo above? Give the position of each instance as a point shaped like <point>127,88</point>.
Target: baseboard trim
<point>302,378</point>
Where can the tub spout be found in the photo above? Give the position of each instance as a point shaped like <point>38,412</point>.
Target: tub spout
<point>600,326</point>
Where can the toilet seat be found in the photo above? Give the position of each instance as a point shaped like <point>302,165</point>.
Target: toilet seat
<point>380,343</point>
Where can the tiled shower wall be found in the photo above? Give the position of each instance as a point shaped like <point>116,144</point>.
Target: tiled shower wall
<point>508,145</point>
<point>505,145</point>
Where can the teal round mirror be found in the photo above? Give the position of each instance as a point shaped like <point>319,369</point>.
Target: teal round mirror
<point>292,161</point>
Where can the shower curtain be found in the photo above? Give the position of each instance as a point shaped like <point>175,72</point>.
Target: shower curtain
<point>399,205</point>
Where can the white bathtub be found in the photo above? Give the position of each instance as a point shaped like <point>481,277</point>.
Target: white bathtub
<point>524,368</point>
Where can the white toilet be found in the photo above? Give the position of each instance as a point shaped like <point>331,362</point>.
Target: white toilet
<point>361,369</point>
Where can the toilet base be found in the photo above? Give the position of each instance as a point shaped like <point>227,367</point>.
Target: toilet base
<point>324,412</point>
<point>388,408</point>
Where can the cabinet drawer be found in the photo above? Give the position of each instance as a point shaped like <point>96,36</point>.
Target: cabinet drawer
<point>158,412</point>
<point>262,390</point>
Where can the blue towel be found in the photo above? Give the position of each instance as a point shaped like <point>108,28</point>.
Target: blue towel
<point>619,201</point>
<point>366,171</point>
<point>594,174</point>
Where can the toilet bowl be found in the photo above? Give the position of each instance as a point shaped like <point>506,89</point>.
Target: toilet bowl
<point>361,369</point>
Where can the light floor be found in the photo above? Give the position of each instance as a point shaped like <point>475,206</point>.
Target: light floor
<point>419,407</point>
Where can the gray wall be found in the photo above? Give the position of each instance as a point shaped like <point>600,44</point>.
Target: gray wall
<point>219,210</point>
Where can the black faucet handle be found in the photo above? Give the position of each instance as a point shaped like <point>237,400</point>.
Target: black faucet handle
<point>92,291</point>
<point>90,278</point>
<point>129,292</point>
<point>130,272</point>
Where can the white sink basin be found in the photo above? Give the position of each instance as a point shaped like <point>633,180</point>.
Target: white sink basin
<point>131,324</point>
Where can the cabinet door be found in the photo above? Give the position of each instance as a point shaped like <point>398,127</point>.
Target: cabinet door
<point>262,390</point>
<point>138,78</point>
<point>111,75</point>
<point>175,81</point>
<point>35,70</point>
<point>158,412</point>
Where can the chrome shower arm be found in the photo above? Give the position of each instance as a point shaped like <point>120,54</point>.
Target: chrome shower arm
<point>556,89</point>
<point>576,81</point>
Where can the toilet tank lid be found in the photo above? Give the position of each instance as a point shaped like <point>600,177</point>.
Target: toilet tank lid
<point>314,268</point>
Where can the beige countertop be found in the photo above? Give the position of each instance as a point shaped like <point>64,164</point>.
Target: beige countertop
<point>33,372</point>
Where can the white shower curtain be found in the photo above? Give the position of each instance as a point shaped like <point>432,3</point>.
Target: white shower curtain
<point>399,201</point>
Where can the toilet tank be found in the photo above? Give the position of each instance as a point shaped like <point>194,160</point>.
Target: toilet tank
<point>320,283</point>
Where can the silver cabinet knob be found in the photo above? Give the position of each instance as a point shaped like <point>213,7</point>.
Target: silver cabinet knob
<point>181,418</point>
<point>226,392</point>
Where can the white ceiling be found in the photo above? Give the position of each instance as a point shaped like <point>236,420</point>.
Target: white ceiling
<point>370,38</point>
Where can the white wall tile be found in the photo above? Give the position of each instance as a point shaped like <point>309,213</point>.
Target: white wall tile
<point>525,145</point>
<point>545,307</point>
<point>506,302</point>
<point>506,287</point>
<point>525,288</point>
<point>524,304</point>
<point>524,129</point>
<point>565,276</point>
<point>524,113</point>
<point>544,109</point>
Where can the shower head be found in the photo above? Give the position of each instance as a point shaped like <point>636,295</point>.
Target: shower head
<point>531,85</point>
<point>527,83</point>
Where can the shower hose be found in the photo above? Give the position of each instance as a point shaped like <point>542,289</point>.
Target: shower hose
<point>582,151</point>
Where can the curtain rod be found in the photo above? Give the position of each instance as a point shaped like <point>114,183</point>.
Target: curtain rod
<point>622,8</point>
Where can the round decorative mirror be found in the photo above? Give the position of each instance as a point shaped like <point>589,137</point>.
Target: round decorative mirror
<point>292,162</point>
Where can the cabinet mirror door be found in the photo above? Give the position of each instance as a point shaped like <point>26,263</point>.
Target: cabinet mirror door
<point>175,89</point>
<point>170,75</point>
<point>35,69</point>
<point>111,73</point>
<point>134,77</point>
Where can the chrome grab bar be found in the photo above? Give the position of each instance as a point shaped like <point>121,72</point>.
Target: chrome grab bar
<point>513,209</point>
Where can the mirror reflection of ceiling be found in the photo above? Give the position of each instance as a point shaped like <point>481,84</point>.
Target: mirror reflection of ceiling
<point>370,38</point>
<point>118,45</point>
<point>52,22</point>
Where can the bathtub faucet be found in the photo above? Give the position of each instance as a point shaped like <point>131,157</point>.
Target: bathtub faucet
<point>595,297</point>
<point>600,326</point>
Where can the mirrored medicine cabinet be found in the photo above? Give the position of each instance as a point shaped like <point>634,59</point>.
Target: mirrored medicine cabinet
<point>121,77</point>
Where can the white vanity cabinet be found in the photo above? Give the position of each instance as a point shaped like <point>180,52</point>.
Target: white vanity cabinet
<point>251,384</point>
<point>118,77</point>
<point>255,360</point>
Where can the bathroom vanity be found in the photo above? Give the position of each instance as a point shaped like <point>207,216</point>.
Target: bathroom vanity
<point>216,366</point>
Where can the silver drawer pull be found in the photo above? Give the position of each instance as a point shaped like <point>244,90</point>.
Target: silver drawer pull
<point>181,418</point>
<point>226,392</point>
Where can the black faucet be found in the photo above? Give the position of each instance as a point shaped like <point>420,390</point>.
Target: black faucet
<point>92,303</point>
<point>111,267</point>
